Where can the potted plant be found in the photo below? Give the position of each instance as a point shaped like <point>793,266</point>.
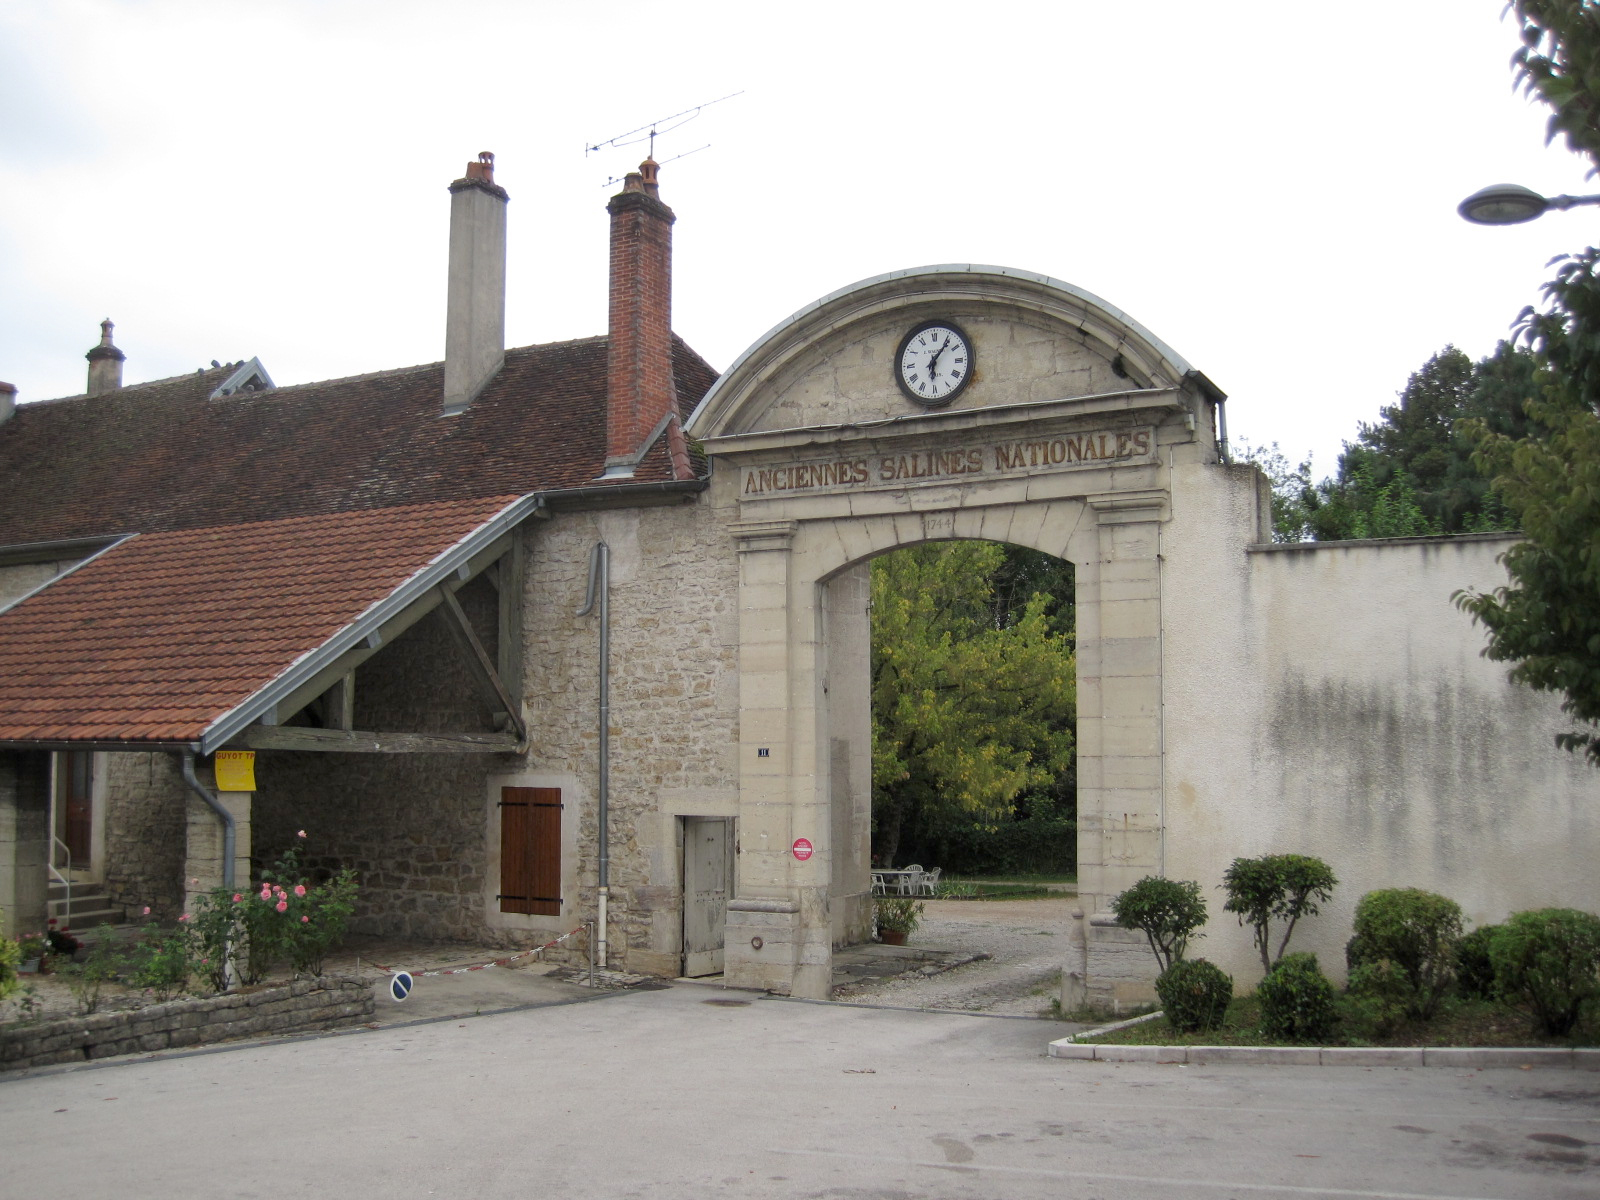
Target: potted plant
<point>32,946</point>
<point>896,917</point>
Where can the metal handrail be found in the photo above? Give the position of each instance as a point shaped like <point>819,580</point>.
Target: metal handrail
<point>63,880</point>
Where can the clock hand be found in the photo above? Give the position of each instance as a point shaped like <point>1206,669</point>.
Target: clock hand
<point>933,360</point>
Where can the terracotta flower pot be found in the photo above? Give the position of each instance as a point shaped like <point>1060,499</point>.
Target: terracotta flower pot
<point>892,937</point>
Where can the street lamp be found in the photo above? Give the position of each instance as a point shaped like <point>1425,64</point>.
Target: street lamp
<point>1511,204</point>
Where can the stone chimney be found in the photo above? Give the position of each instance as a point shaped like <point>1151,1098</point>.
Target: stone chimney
<point>8,401</point>
<point>105,363</point>
<point>641,396</point>
<point>475,318</point>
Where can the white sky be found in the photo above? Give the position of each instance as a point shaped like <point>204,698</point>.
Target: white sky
<point>1268,187</point>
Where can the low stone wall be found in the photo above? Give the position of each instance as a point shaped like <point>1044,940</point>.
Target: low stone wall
<point>325,1003</point>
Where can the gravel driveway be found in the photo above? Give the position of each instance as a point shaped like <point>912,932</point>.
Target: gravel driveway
<point>1027,943</point>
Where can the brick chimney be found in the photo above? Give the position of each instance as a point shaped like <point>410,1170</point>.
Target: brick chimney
<point>641,396</point>
<point>105,363</point>
<point>475,317</point>
<point>8,401</point>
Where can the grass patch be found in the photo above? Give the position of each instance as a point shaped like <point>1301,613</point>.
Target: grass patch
<point>961,889</point>
<point>1458,1023</point>
<point>1032,880</point>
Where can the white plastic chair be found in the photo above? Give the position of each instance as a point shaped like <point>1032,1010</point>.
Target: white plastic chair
<point>911,881</point>
<point>929,883</point>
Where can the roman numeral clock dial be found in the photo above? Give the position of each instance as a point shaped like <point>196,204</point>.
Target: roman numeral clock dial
<point>934,363</point>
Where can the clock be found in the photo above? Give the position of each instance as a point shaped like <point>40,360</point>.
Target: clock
<point>934,363</point>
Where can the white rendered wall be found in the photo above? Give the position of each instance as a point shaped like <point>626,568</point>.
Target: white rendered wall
<point>1329,699</point>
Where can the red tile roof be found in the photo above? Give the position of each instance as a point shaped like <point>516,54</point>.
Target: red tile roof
<point>162,456</point>
<point>164,633</point>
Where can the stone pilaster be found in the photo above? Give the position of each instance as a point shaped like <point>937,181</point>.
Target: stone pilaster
<point>202,866</point>
<point>24,840</point>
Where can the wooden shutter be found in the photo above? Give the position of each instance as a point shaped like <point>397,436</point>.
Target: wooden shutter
<point>530,850</point>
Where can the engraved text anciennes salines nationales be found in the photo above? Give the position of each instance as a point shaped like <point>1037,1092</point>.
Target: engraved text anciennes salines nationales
<point>1065,450</point>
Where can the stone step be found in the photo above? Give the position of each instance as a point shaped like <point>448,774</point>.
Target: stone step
<point>89,906</point>
<point>88,918</point>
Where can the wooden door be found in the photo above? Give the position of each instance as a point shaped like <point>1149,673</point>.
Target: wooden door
<point>707,882</point>
<point>530,851</point>
<point>77,795</point>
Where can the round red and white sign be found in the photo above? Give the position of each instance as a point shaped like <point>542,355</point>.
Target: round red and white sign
<point>803,849</point>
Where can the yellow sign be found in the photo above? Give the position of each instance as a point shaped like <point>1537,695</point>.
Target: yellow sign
<point>236,770</point>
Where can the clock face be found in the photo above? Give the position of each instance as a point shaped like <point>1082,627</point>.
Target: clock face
<point>934,363</point>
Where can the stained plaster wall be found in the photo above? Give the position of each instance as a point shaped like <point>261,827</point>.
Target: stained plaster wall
<point>674,710</point>
<point>1331,700</point>
<point>17,581</point>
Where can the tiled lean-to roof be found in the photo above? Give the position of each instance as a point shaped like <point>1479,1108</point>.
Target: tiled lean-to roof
<point>263,524</point>
<point>162,455</point>
<point>160,636</point>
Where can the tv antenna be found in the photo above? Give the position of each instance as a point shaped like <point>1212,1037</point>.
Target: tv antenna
<point>653,129</point>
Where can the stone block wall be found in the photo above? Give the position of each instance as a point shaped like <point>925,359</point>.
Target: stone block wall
<point>331,1002</point>
<point>674,701</point>
<point>145,839</point>
<point>410,824</point>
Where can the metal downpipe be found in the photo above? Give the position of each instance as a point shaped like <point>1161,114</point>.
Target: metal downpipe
<point>600,587</point>
<point>230,837</point>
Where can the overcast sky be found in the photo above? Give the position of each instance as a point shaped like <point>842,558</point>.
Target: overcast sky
<point>1269,188</point>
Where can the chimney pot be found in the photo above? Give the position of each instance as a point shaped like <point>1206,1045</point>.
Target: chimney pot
<point>475,317</point>
<point>105,363</point>
<point>8,401</point>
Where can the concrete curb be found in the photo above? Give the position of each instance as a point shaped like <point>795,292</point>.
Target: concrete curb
<point>1470,1057</point>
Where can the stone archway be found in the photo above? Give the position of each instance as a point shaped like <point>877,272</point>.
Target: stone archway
<point>1065,441</point>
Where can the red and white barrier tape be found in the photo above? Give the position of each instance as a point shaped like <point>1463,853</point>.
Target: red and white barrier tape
<point>497,962</point>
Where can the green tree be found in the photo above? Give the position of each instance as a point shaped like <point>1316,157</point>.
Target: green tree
<point>1412,471</point>
<point>973,698</point>
<point>1547,620</point>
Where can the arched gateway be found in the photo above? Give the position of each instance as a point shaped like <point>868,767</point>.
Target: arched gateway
<point>1065,427</point>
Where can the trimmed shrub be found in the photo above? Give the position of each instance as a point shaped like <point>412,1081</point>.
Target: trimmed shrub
<point>1377,998</point>
<point>1549,959</point>
<point>1194,995</point>
<point>1474,966</point>
<point>1168,911</point>
<point>1282,887</point>
<point>1415,930</point>
<point>1298,1004</point>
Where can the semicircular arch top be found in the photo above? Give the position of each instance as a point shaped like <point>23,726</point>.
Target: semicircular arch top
<point>830,361</point>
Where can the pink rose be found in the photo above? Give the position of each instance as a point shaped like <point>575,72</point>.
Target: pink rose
<point>185,917</point>
<point>299,889</point>
<point>305,920</point>
<point>147,910</point>
<point>283,906</point>
<point>237,898</point>
<point>302,833</point>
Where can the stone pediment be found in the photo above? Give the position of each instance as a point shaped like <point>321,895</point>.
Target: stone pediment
<point>1035,342</point>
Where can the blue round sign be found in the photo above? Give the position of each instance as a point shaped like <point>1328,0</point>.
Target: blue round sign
<point>400,985</point>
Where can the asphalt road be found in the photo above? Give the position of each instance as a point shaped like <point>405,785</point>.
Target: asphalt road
<point>695,1091</point>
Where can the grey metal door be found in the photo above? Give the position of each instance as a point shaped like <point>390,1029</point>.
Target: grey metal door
<point>707,880</point>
